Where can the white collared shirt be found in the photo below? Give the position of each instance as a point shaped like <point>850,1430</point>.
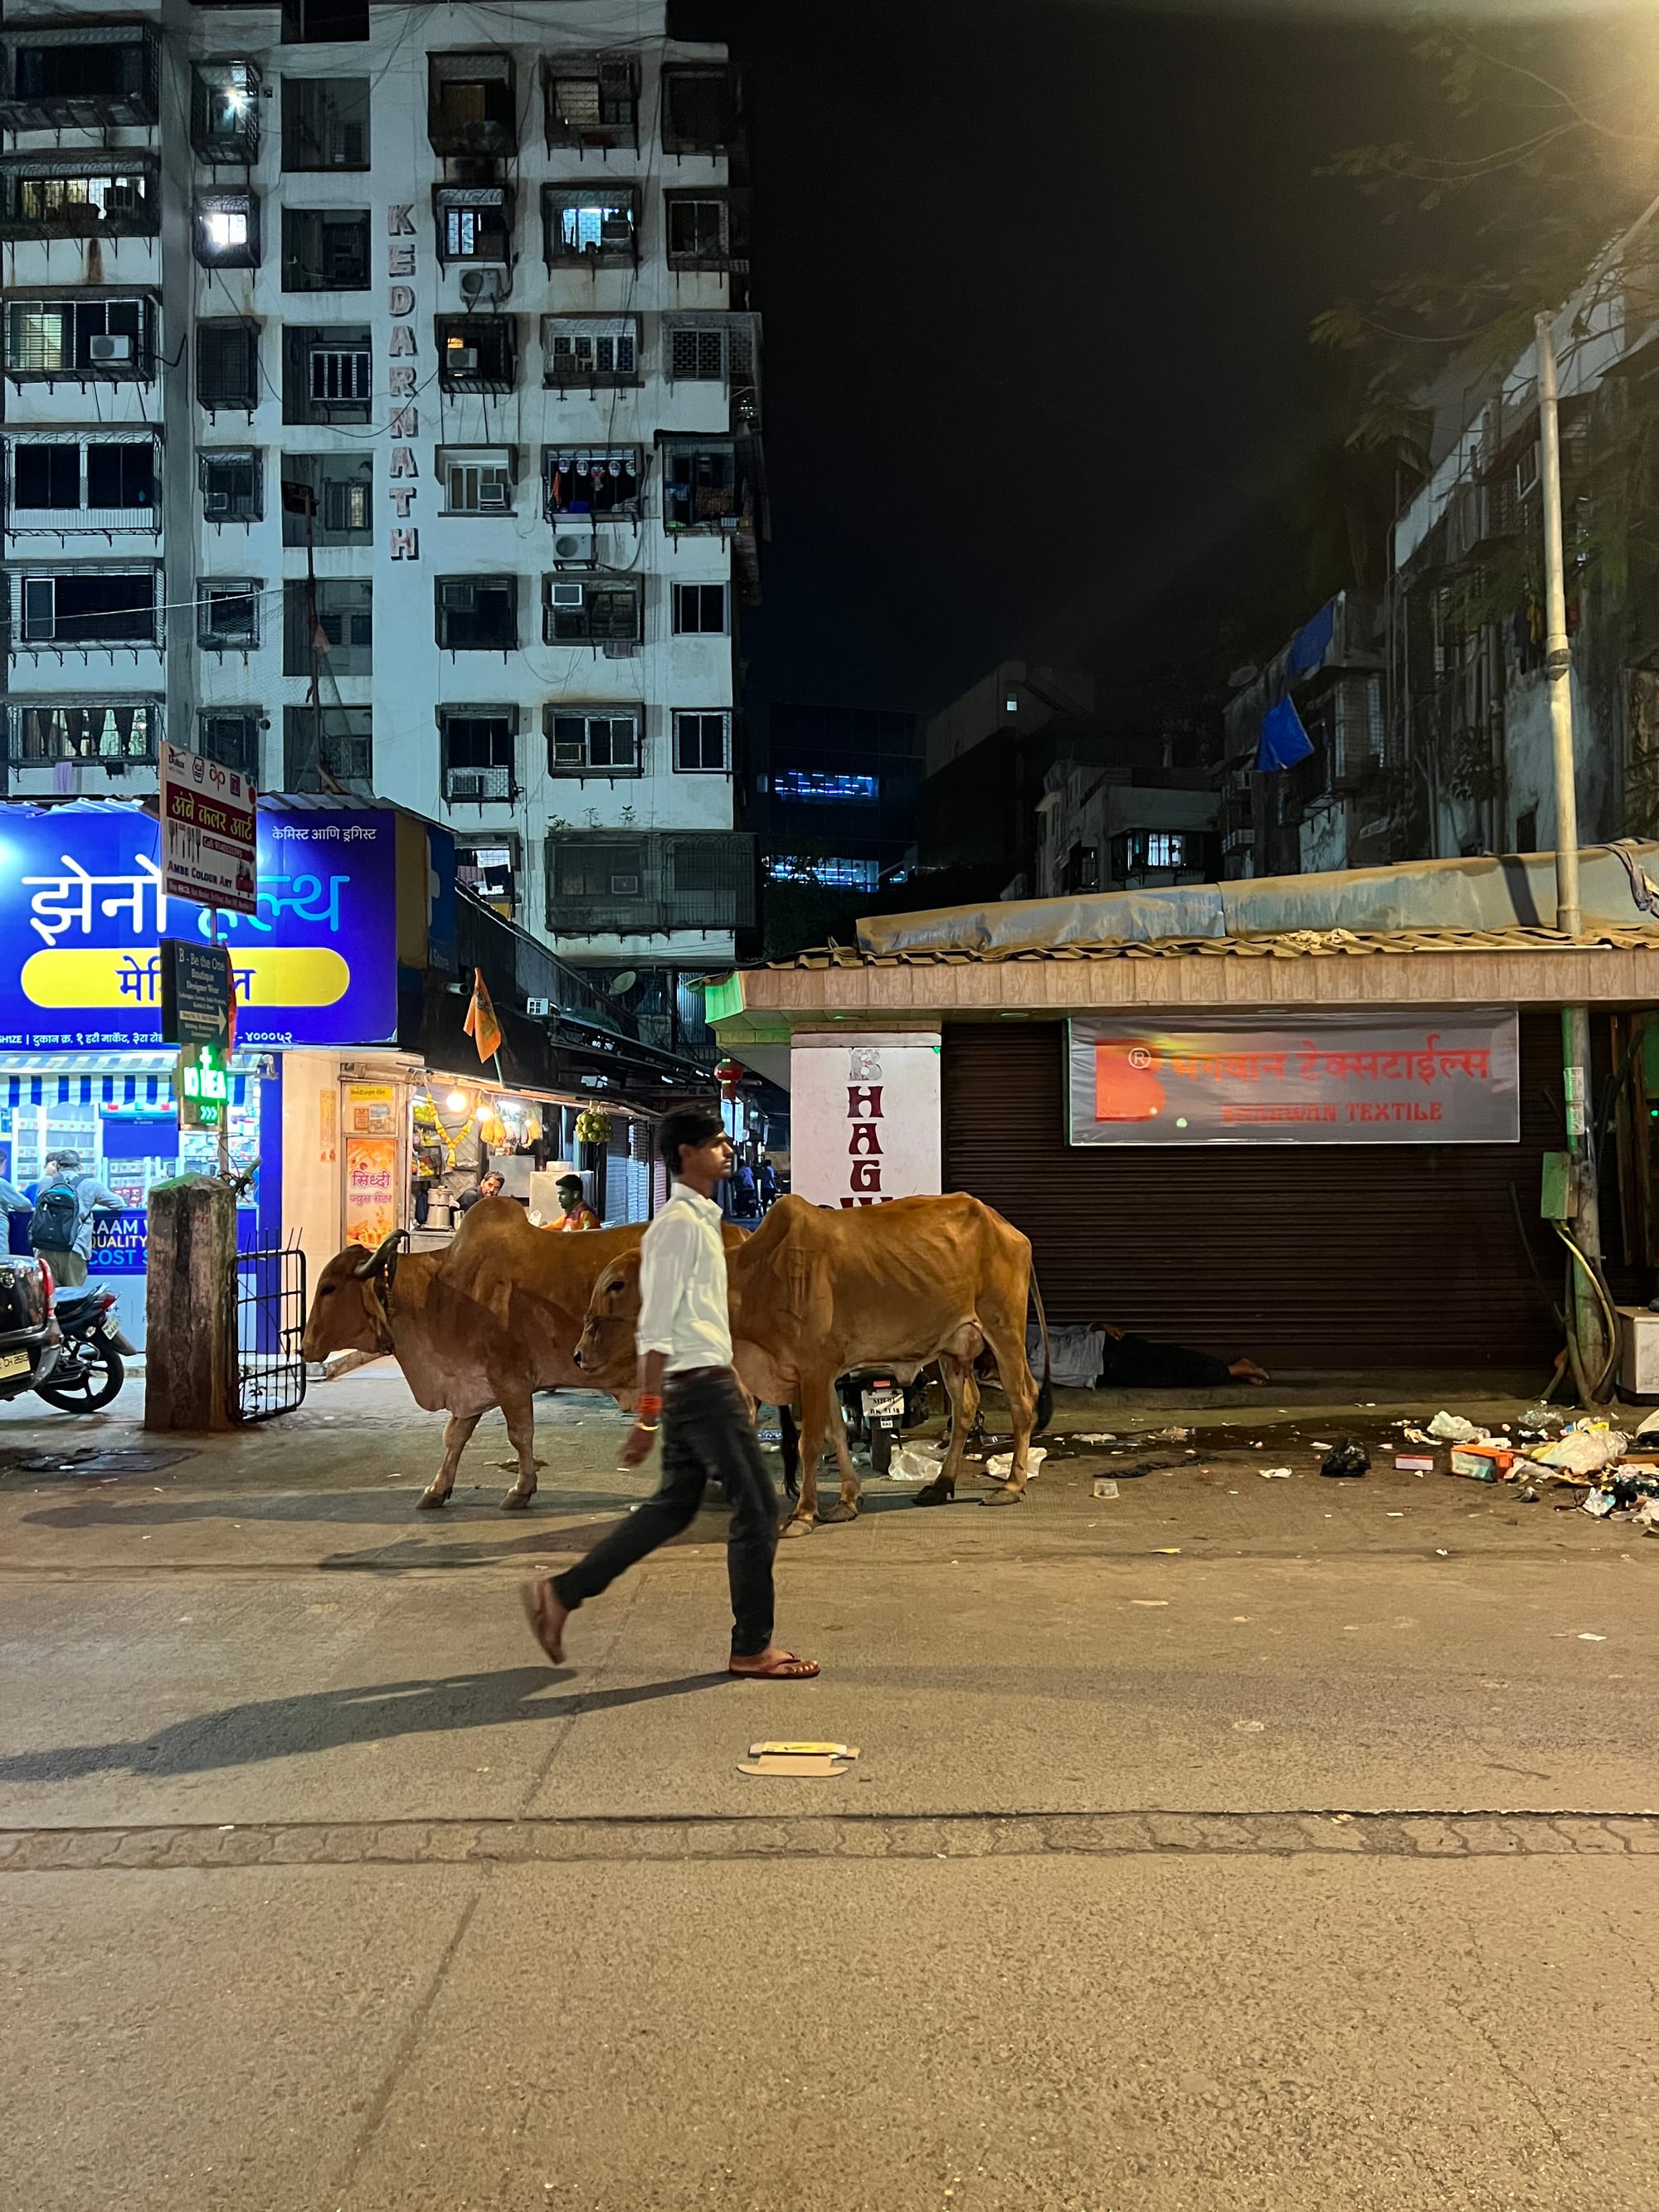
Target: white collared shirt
<point>683,1284</point>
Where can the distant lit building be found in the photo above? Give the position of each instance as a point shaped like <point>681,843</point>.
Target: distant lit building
<point>835,795</point>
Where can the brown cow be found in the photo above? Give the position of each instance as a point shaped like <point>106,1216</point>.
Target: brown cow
<point>816,1294</point>
<point>487,1321</point>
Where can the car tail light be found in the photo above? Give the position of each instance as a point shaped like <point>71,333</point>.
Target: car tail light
<point>48,1285</point>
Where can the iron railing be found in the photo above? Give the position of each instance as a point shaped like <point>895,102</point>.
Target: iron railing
<point>271,1323</point>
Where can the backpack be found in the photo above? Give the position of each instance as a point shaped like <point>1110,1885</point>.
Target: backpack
<point>57,1217</point>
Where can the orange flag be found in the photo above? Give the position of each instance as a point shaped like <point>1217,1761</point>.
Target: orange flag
<point>481,1025</point>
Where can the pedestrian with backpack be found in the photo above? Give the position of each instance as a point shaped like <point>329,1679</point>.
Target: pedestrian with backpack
<point>60,1228</point>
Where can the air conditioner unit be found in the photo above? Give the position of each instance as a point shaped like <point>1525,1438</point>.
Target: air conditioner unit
<point>461,357</point>
<point>492,498</point>
<point>464,784</point>
<point>624,886</point>
<point>566,595</point>
<point>478,284</point>
<point>573,538</point>
<point>101,351</point>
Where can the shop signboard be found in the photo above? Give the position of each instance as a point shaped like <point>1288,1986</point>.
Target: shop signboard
<point>1374,1079</point>
<point>84,909</point>
<point>195,992</point>
<point>371,1188</point>
<point>208,838</point>
<point>864,1118</point>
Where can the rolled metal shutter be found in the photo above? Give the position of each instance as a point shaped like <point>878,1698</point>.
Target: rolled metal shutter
<point>1361,1256</point>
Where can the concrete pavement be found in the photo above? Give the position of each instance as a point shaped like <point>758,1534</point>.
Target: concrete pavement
<point>1232,1842</point>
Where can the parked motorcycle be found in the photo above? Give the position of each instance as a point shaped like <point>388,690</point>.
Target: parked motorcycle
<point>87,1372</point>
<point>877,1409</point>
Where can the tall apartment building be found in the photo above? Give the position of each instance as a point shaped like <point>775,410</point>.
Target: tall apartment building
<point>381,414</point>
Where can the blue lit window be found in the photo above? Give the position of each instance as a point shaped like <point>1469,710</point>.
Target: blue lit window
<point>840,874</point>
<point>824,783</point>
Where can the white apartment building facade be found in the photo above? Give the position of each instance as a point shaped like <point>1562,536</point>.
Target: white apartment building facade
<point>381,414</point>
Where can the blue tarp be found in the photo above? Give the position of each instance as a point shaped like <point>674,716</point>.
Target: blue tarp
<point>1283,740</point>
<point>1312,641</point>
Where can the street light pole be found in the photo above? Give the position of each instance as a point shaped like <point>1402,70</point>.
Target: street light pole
<point>1592,1348</point>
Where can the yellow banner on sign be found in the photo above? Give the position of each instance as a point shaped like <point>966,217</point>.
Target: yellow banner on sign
<point>266,975</point>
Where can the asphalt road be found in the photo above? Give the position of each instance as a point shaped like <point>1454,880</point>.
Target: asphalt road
<point>1232,1842</point>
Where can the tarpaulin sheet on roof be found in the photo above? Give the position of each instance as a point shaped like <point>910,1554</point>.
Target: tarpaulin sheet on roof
<point>1477,894</point>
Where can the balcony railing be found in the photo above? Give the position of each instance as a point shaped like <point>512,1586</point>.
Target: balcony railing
<point>477,785</point>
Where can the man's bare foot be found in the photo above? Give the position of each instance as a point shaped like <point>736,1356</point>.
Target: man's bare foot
<point>546,1616</point>
<point>774,1665</point>
<point>1246,1371</point>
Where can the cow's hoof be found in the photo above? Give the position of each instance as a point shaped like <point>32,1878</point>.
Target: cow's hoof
<point>517,1501</point>
<point>1007,1496</point>
<point>936,1493</point>
<point>430,1501</point>
<point>798,1527</point>
<point>843,1511</point>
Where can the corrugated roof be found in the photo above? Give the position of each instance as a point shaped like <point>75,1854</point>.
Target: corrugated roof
<point>1293,944</point>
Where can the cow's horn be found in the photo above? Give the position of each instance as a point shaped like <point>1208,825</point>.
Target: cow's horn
<point>375,1264</point>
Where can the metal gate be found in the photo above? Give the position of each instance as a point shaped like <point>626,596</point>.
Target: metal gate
<point>271,1323</point>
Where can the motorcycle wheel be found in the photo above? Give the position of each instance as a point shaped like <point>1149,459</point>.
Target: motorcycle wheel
<point>95,1389</point>
<point>881,1447</point>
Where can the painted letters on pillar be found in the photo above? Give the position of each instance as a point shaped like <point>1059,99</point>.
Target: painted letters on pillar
<point>864,1138</point>
<point>404,422</point>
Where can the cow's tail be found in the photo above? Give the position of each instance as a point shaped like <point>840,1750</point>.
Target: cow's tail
<point>1045,1405</point>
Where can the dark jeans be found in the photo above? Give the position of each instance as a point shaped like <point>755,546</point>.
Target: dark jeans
<point>706,1435</point>
<point>1130,1363</point>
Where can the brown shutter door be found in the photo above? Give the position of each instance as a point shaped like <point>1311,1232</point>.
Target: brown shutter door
<point>1361,1256</point>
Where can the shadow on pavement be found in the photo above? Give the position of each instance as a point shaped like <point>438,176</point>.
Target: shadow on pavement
<point>378,1508</point>
<point>325,1720</point>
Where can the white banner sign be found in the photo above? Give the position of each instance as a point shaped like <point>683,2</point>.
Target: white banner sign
<point>208,831</point>
<point>864,1118</point>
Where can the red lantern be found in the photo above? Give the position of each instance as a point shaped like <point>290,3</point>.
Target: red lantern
<point>728,1073</point>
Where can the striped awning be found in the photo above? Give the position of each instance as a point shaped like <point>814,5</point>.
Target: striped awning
<point>103,1090</point>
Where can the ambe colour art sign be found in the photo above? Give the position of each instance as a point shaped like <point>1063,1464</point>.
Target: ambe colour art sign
<point>1383,1079</point>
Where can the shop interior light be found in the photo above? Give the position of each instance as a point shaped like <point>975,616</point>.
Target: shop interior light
<point>457,1102</point>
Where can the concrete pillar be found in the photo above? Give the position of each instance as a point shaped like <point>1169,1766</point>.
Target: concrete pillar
<point>190,1353</point>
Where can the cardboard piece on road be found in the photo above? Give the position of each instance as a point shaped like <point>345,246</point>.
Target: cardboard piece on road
<point>208,832</point>
<point>812,1762</point>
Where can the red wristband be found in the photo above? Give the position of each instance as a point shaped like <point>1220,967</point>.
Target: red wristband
<point>649,1409</point>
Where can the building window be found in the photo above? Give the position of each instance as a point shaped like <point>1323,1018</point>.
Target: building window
<point>699,109</point>
<point>232,738</point>
<point>479,750</point>
<point>591,479</point>
<point>86,608</point>
<point>587,225</point>
<point>227,367</point>
<point>326,499</point>
<point>701,746</point>
<point>227,614</point>
<point>327,749</point>
<point>826,786</point>
<point>62,483</point>
<point>325,123</point>
<point>224,113</point>
<point>591,100</point>
<point>80,78</point>
<point>701,492</point>
<point>699,610</point>
<point>600,882</point>
<point>590,353</point>
<point>1081,870</point>
<point>325,250</point>
<point>477,353</point>
<point>478,614</point>
<point>226,230</point>
<point>80,197</point>
<point>98,337</point>
<point>697,354</point>
<point>327,374</point>
<point>593,741</point>
<point>593,610</point>
<point>490,873</point>
<point>233,483</point>
<point>335,630</point>
<point>705,229</point>
<point>324,22</point>
<point>471,106</point>
<point>602,871</point>
<point>40,732</point>
<point>475,224</point>
<point>838,873</point>
<point>478,479</point>
<point>1143,852</point>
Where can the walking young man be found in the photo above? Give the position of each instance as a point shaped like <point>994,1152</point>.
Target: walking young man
<point>688,1387</point>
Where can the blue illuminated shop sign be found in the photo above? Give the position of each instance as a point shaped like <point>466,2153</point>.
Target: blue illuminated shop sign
<point>82,915</point>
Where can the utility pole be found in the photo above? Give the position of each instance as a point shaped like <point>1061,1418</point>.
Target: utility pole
<point>1588,1327</point>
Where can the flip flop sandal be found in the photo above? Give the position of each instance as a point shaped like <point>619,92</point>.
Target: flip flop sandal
<point>789,1669</point>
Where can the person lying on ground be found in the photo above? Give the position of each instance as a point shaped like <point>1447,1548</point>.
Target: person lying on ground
<point>1103,1357</point>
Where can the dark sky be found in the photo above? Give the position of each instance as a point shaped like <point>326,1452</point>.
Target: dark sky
<point>1036,282</point>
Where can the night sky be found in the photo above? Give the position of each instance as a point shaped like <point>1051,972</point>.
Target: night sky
<point>1035,284</point>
